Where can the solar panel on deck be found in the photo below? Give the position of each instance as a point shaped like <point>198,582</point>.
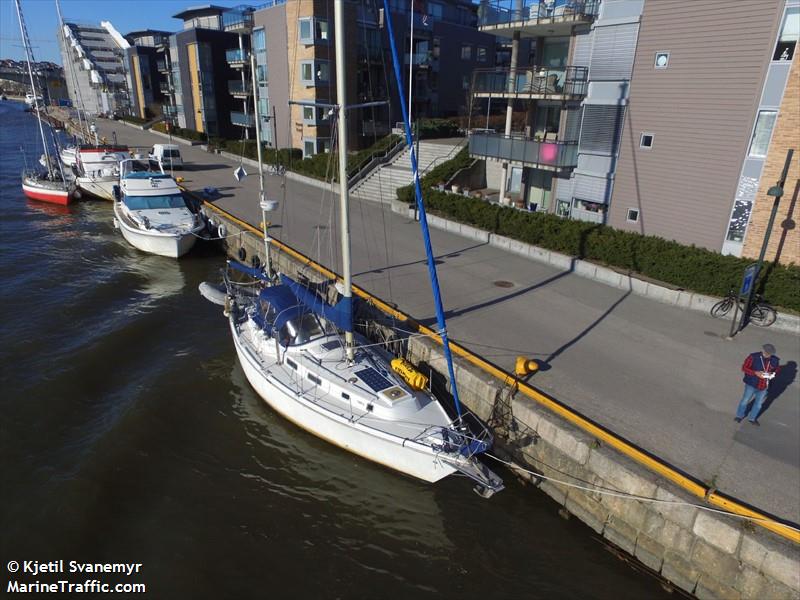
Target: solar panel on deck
<point>373,379</point>
<point>332,345</point>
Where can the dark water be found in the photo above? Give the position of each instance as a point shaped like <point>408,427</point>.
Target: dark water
<point>129,434</point>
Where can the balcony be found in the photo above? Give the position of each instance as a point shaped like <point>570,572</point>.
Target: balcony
<point>162,66</point>
<point>242,120</point>
<point>535,18</point>
<point>239,89</point>
<point>165,88</point>
<point>526,152</point>
<point>532,83</point>
<point>169,111</point>
<point>238,20</point>
<point>237,58</point>
<point>422,59</point>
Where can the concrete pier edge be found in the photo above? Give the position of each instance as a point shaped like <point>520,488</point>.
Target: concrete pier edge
<point>709,554</point>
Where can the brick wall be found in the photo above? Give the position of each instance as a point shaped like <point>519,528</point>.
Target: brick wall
<point>785,235</point>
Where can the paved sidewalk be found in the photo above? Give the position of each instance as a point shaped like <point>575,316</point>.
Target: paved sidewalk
<point>663,377</point>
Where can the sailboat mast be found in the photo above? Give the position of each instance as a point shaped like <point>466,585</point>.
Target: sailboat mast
<point>71,67</point>
<point>261,197</point>
<point>344,201</point>
<point>29,58</point>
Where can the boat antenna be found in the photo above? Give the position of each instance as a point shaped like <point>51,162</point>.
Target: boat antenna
<point>423,219</point>
<point>344,201</point>
<point>26,42</point>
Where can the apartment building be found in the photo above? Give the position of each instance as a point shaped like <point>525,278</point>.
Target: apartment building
<point>94,67</point>
<point>561,157</point>
<point>293,43</point>
<point>710,82</point>
<point>200,72</point>
<point>651,116</point>
<point>149,86</point>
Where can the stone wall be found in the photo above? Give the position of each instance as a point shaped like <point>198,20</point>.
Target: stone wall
<point>704,553</point>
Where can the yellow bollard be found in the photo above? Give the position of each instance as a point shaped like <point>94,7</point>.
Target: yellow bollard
<point>179,179</point>
<point>525,366</point>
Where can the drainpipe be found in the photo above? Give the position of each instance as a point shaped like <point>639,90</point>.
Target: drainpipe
<point>512,77</point>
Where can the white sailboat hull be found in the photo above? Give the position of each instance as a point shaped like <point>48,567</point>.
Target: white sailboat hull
<point>395,452</point>
<point>154,242</point>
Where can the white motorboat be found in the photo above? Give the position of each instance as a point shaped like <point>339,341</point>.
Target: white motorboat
<point>98,169</point>
<point>33,100</point>
<point>152,214</point>
<point>69,156</point>
<point>301,355</point>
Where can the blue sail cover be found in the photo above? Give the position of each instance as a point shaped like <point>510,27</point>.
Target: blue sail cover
<point>284,302</point>
<point>341,314</point>
<point>255,273</point>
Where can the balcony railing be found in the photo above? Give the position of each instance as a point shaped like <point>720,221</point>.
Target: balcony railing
<point>542,154</point>
<point>169,111</point>
<point>238,88</point>
<point>163,66</point>
<point>533,12</point>
<point>238,19</point>
<point>534,82</point>
<point>242,120</point>
<point>419,58</point>
<point>165,87</point>
<point>237,56</point>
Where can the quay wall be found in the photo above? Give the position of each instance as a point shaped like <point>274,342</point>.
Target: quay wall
<point>705,553</point>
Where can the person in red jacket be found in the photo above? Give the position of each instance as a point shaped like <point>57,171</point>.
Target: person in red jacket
<point>759,369</point>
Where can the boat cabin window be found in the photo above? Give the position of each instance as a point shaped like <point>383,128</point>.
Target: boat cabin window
<point>300,330</point>
<point>154,202</point>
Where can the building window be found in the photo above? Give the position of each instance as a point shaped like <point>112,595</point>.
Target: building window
<point>259,40</point>
<point>662,60</point>
<point>323,72</point>
<point>481,55</point>
<point>762,132</point>
<point>633,216</point>
<point>311,30</point>
<point>465,82</point>
<point>790,32</point>
<point>435,10</point>
<point>309,147</point>
<point>305,27</point>
<point>466,52</point>
<point>309,116</point>
<point>307,72</point>
<point>314,72</point>
<point>646,140</point>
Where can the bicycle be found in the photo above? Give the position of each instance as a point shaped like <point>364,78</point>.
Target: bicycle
<point>762,314</point>
<point>277,170</point>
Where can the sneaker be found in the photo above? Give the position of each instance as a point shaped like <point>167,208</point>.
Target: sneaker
<point>756,423</point>
<point>737,419</point>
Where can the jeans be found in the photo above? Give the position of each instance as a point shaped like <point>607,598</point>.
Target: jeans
<point>750,392</point>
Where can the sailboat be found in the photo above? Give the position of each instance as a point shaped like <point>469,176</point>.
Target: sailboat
<point>49,185</point>
<point>300,353</point>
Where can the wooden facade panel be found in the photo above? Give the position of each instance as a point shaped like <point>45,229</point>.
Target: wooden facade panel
<point>701,109</point>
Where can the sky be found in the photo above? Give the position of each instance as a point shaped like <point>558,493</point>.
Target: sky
<point>125,15</point>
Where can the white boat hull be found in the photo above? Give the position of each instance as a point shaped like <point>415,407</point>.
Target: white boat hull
<point>102,188</point>
<point>400,454</point>
<point>153,242</point>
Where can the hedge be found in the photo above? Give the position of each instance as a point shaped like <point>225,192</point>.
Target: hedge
<point>316,166</point>
<point>685,267</point>
<point>439,174</point>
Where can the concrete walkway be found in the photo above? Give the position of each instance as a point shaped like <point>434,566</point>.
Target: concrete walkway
<point>663,377</point>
